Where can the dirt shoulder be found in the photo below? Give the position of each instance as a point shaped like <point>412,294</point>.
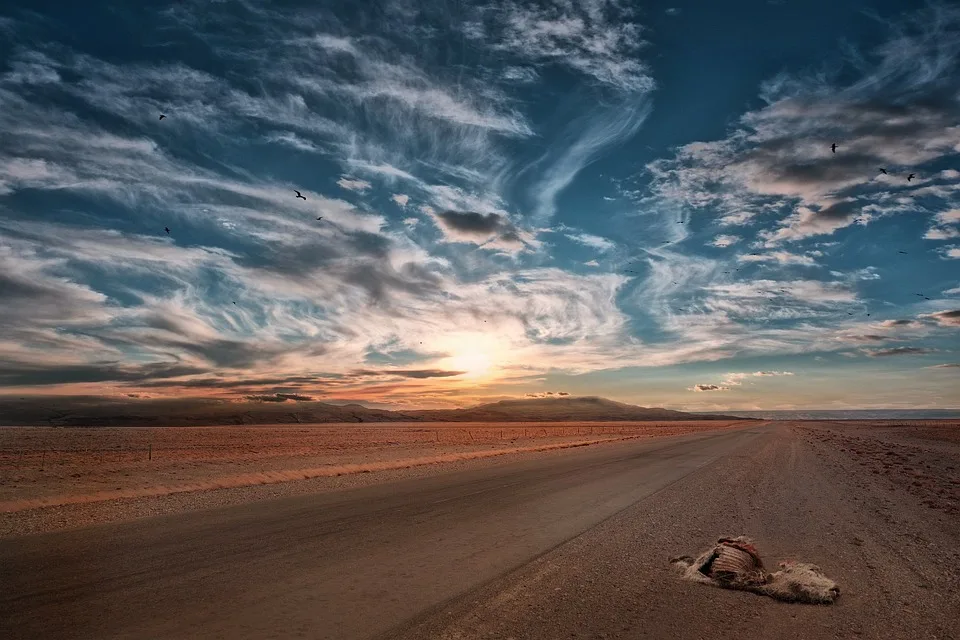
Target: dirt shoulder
<point>802,493</point>
<point>65,478</point>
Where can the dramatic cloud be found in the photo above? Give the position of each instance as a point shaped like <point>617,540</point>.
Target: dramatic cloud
<point>474,222</point>
<point>778,160</point>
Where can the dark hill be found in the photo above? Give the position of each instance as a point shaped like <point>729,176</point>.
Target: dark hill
<point>83,412</point>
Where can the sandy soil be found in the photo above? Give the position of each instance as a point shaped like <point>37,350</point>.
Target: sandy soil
<point>874,505</point>
<point>53,478</point>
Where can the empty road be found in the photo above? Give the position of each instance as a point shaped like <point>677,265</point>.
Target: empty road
<point>351,564</point>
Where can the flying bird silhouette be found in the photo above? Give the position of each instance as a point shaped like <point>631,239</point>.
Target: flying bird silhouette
<point>299,195</point>
<point>162,116</point>
<point>320,218</point>
<point>833,147</point>
<point>901,252</point>
<point>234,302</point>
<point>167,229</point>
<point>883,171</point>
<point>911,177</point>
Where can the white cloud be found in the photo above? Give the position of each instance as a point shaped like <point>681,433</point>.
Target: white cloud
<point>782,257</point>
<point>724,241</point>
<point>401,199</point>
<point>353,184</point>
<point>522,75</point>
<point>951,252</point>
<point>592,241</point>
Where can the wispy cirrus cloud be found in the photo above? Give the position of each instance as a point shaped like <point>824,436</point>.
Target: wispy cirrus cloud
<point>353,184</point>
<point>598,39</point>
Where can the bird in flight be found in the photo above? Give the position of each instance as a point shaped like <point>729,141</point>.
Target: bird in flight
<point>911,177</point>
<point>320,218</point>
<point>167,229</point>
<point>883,171</point>
<point>234,302</point>
<point>833,147</point>
<point>299,195</point>
<point>162,116</point>
<point>901,251</point>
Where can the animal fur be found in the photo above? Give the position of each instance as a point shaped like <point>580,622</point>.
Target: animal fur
<point>794,582</point>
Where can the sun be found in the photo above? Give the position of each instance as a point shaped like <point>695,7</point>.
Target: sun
<point>474,362</point>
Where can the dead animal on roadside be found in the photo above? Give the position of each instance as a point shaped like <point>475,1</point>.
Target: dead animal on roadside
<point>734,563</point>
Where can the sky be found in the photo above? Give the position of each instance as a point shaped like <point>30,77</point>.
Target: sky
<point>518,199</point>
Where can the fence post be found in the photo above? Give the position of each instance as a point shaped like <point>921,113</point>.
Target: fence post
<point>150,451</point>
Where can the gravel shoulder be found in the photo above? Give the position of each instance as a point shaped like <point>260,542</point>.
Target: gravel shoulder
<point>803,492</point>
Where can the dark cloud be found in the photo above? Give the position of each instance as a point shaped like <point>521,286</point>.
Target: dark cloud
<point>227,383</point>
<point>899,351</point>
<point>870,337</point>
<point>898,323</point>
<point>709,387</point>
<point>266,398</point>
<point>279,397</point>
<point>471,226</point>
<point>23,374</point>
<point>840,210</point>
<point>471,222</point>
<point>947,318</point>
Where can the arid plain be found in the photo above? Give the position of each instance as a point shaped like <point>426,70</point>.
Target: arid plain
<point>53,477</point>
<point>475,530</point>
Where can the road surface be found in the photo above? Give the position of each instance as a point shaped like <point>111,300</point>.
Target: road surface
<point>568,546</point>
<point>342,565</point>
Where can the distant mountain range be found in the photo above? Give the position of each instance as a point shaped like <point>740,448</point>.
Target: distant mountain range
<point>86,412</point>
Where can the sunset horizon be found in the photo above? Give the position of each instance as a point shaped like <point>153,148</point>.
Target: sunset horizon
<point>492,207</point>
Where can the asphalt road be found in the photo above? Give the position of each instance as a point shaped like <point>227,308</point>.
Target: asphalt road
<point>352,564</point>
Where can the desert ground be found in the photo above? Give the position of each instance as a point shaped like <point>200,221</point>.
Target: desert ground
<point>55,477</point>
<point>563,543</point>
